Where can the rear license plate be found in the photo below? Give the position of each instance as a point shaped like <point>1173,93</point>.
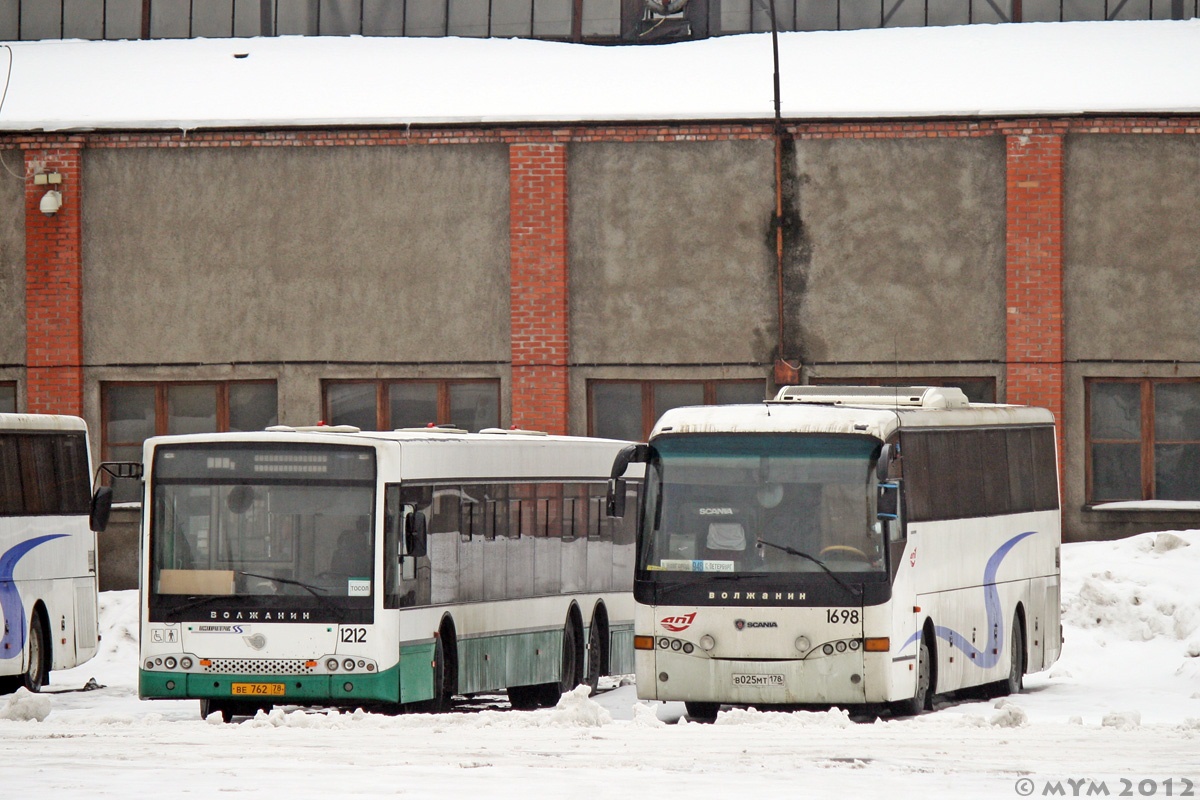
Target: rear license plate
<point>758,680</point>
<point>258,689</point>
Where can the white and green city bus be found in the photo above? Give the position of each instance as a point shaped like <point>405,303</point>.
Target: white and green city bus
<point>335,567</point>
<point>858,546</point>
<point>49,517</point>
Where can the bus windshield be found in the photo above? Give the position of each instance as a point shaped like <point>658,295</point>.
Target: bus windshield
<point>750,503</point>
<point>258,524</point>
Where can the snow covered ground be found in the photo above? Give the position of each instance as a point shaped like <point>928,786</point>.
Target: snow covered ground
<point>1118,715</point>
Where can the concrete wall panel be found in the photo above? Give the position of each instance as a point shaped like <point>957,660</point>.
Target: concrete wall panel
<point>669,258</point>
<point>901,251</point>
<point>12,261</point>
<point>1132,247</point>
<point>296,254</point>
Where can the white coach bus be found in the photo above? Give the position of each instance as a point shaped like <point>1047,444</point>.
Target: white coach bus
<point>845,546</point>
<point>48,522</point>
<point>332,567</point>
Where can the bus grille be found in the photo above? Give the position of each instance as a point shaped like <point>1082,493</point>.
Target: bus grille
<point>259,666</point>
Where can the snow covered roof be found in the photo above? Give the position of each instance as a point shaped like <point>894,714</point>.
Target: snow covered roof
<point>971,70</point>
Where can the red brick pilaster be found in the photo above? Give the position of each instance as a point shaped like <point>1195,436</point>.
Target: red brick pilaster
<point>1035,268</point>
<point>538,265</point>
<point>53,283</point>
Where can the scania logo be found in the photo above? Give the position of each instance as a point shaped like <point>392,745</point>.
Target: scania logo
<point>677,624</point>
<point>715,512</point>
<point>257,641</point>
<point>741,624</point>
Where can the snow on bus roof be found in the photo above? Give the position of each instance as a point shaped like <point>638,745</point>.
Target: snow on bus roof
<point>41,422</point>
<point>876,420</point>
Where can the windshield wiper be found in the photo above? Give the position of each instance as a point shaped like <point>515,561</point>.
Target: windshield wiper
<point>794,552</point>
<point>193,601</point>
<point>315,591</point>
<point>668,588</point>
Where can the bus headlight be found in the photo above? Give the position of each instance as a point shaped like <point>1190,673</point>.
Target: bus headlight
<point>186,662</point>
<point>169,663</point>
<point>349,665</point>
<point>707,643</point>
<point>803,644</point>
<point>331,664</point>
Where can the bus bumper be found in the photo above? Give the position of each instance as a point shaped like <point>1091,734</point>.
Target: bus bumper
<point>835,679</point>
<point>382,687</point>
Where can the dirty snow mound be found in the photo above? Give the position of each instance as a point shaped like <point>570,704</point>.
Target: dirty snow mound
<point>24,706</point>
<point>1134,589</point>
<point>576,709</point>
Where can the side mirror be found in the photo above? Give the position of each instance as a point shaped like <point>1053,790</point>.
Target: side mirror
<point>888,505</point>
<point>101,507</point>
<point>887,455</point>
<point>123,469</point>
<point>633,454</point>
<point>416,540</point>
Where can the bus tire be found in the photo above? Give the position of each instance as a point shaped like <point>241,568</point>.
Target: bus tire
<point>1015,682</point>
<point>571,674</point>
<point>38,645</point>
<point>595,654</point>
<point>524,698</point>
<point>922,699</point>
<point>208,706</point>
<point>445,670</point>
<point>702,712</point>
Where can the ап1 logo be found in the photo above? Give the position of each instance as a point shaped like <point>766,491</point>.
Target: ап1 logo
<point>677,624</point>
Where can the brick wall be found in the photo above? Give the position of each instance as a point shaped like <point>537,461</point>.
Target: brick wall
<point>538,296</point>
<point>1034,297</point>
<point>538,198</point>
<point>53,284</point>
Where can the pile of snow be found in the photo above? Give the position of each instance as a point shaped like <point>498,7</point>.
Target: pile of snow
<point>24,705</point>
<point>1137,589</point>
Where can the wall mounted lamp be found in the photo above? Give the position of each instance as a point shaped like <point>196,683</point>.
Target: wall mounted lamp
<point>52,199</point>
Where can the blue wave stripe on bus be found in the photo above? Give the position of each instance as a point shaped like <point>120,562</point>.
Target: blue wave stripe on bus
<point>10,599</point>
<point>995,615</point>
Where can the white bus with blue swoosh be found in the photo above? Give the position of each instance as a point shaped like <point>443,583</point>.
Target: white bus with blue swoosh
<point>49,517</point>
<point>848,546</point>
<point>333,567</point>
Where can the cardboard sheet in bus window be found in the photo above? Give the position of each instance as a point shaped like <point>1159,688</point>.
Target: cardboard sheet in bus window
<point>358,587</point>
<point>687,565</point>
<point>196,581</point>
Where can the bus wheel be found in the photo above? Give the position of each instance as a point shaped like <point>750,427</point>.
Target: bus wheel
<point>702,712</point>
<point>1016,662</point>
<point>208,706</point>
<point>922,699</point>
<point>524,698</point>
<point>595,656</point>
<point>35,674</point>
<point>548,694</point>
<point>445,673</point>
